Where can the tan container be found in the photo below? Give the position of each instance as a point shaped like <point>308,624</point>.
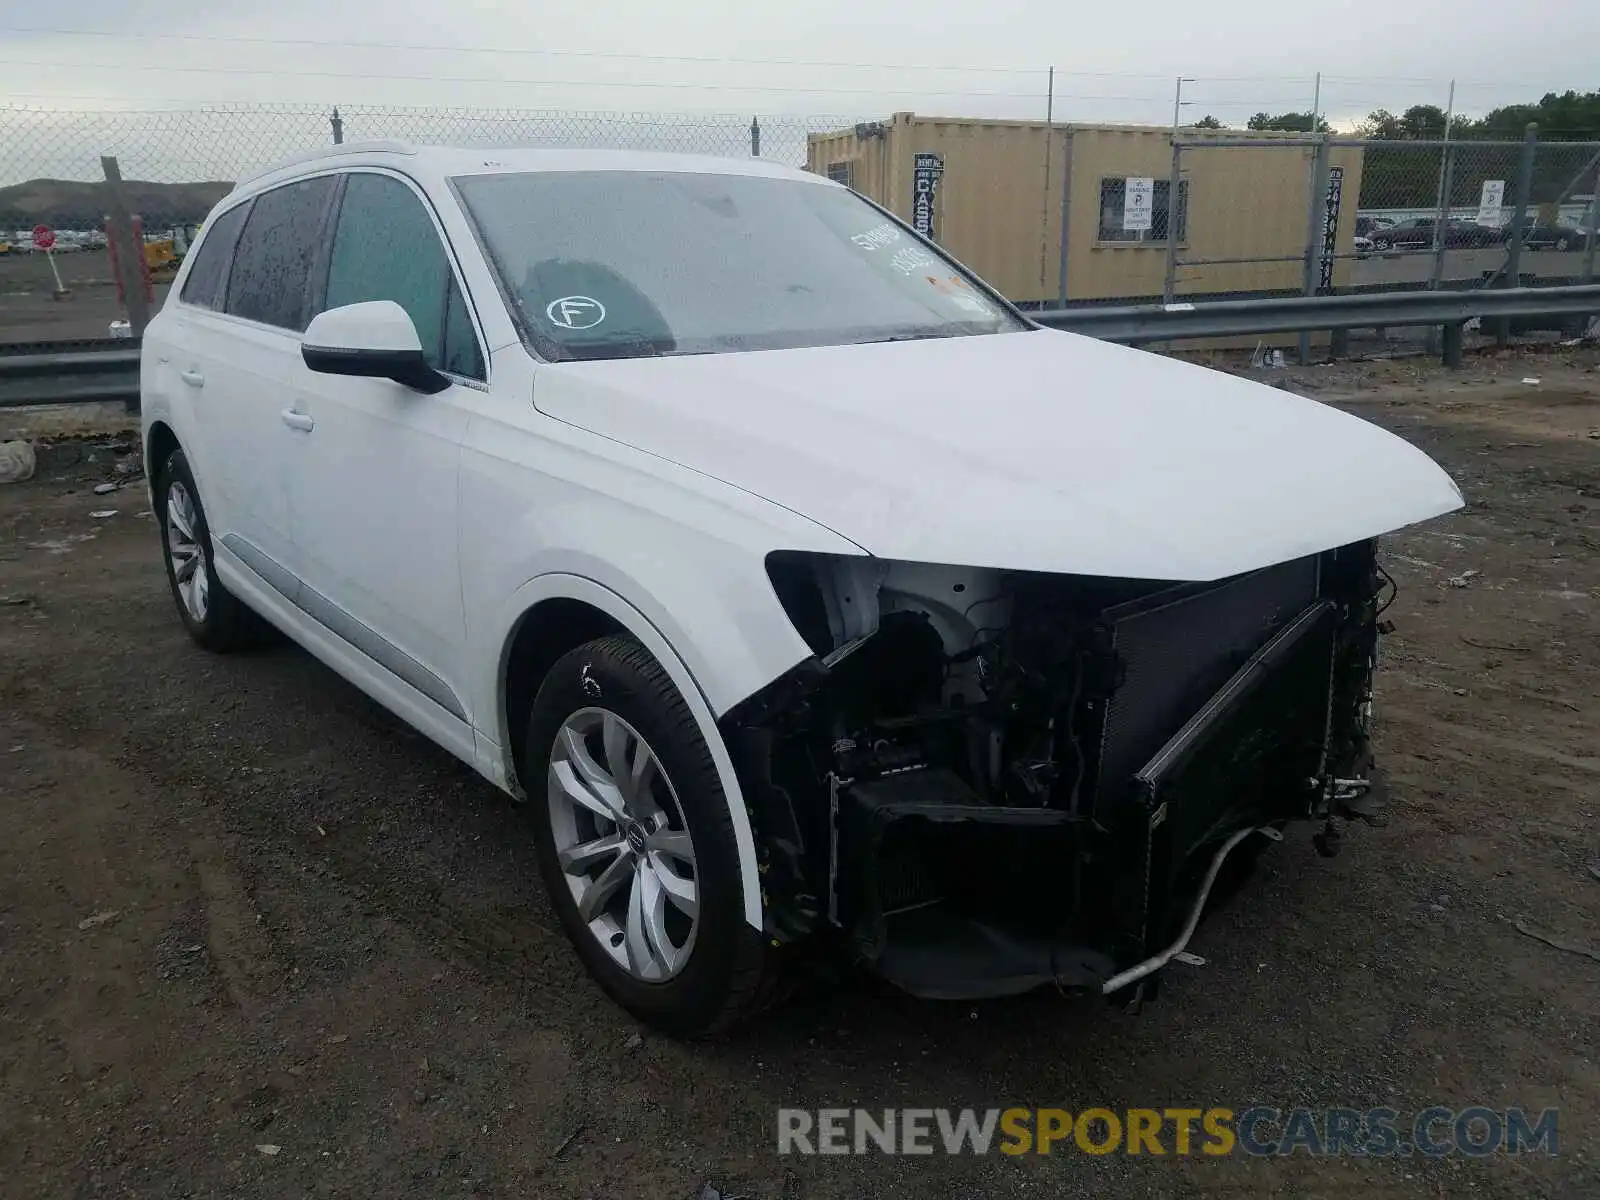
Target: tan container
<point>999,203</point>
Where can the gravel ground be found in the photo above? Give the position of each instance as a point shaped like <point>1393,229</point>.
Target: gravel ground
<point>242,909</point>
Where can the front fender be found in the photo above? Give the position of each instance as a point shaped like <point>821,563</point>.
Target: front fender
<point>642,629</point>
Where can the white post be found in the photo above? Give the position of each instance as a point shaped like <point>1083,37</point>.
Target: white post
<point>51,258</point>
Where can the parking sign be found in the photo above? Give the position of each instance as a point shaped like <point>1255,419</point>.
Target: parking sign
<point>1138,203</point>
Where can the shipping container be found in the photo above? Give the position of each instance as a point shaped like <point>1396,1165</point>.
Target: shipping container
<point>999,194</point>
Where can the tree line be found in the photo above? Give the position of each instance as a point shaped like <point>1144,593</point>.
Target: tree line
<point>1409,177</point>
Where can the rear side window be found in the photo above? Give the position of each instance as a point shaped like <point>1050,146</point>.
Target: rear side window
<point>207,281</point>
<point>272,267</point>
<point>385,247</point>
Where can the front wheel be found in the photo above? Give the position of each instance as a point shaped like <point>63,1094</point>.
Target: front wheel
<point>636,843</point>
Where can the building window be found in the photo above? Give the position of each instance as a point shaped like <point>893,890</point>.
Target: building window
<point>1112,190</point>
<point>843,172</point>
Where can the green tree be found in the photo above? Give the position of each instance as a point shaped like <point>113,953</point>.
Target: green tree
<point>1420,122</point>
<point>1564,117</point>
<point>1290,122</point>
<point>1209,122</point>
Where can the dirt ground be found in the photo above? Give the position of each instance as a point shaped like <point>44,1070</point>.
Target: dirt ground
<point>241,908</point>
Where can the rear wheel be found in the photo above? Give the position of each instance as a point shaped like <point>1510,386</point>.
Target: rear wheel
<point>636,842</point>
<point>214,617</point>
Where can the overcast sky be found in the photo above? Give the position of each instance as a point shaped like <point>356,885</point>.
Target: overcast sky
<point>1113,62</point>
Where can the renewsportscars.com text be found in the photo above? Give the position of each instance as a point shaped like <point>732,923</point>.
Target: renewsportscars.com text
<point>1373,1133</point>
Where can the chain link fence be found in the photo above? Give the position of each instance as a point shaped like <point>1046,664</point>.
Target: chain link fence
<point>191,151</point>
<point>1051,213</point>
<point>176,164</point>
<point>1320,215</point>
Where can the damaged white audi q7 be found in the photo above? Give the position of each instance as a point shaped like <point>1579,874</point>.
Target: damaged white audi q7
<point>810,596</point>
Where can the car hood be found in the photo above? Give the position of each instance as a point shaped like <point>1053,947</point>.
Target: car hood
<point>1035,450</point>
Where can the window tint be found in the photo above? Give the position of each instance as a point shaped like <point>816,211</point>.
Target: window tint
<point>276,252</point>
<point>386,248</point>
<point>207,280</point>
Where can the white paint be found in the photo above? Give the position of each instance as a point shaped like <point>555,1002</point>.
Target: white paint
<point>1138,202</point>
<point>654,488</point>
<point>376,325</point>
<point>1038,451</point>
<point>877,237</point>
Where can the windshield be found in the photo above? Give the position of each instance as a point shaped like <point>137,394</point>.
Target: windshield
<point>625,264</point>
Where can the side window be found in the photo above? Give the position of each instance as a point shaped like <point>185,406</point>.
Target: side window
<point>276,251</point>
<point>386,248</point>
<point>207,281</point>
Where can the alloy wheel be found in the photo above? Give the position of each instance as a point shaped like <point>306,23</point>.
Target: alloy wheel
<point>187,553</point>
<point>623,845</point>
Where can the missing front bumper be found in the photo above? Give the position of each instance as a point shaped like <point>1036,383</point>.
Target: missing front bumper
<point>951,898</point>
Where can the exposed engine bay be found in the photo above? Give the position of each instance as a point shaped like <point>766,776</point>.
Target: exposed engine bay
<point>989,781</point>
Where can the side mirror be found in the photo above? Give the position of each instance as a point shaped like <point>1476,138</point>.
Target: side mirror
<point>375,339</point>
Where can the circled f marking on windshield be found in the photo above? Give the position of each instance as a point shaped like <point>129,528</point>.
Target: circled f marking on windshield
<point>575,312</point>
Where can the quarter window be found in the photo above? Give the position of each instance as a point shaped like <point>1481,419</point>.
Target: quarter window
<point>385,247</point>
<point>207,281</point>
<point>279,244</point>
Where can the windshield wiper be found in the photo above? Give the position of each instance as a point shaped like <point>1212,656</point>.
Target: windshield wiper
<point>909,337</point>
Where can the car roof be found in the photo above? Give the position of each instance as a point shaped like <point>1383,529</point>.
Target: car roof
<point>433,165</point>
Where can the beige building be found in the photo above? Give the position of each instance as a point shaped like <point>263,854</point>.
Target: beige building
<point>1005,190</point>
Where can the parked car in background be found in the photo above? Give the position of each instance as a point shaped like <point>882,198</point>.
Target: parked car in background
<point>1418,233</point>
<point>809,594</point>
<point>1540,235</point>
<point>1365,226</point>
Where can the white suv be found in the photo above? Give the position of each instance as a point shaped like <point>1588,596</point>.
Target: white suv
<point>810,593</point>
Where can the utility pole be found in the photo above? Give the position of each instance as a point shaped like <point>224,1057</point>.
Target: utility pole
<point>1169,285</point>
<point>1441,218</point>
<point>1316,102</point>
<point>338,127</point>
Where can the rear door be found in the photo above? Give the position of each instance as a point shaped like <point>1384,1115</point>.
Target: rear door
<point>244,369</point>
<point>373,478</point>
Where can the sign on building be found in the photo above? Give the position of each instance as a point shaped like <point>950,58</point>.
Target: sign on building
<point>925,172</point>
<point>1331,203</point>
<point>1138,203</point>
<point>1491,202</point>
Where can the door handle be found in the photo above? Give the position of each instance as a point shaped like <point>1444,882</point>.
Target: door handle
<point>193,378</point>
<point>298,420</point>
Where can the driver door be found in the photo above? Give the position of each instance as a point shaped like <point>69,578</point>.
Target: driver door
<point>373,476</point>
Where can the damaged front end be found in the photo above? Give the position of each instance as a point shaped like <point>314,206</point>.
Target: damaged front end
<point>989,781</point>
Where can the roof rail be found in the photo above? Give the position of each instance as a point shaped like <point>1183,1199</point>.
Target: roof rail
<point>372,146</point>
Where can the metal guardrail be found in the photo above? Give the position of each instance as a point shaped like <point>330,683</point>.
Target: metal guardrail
<point>1450,310</point>
<point>103,371</point>
<point>49,373</point>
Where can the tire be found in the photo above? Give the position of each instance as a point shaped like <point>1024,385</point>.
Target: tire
<point>214,617</point>
<point>1563,244</point>
<point>609,702</point>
